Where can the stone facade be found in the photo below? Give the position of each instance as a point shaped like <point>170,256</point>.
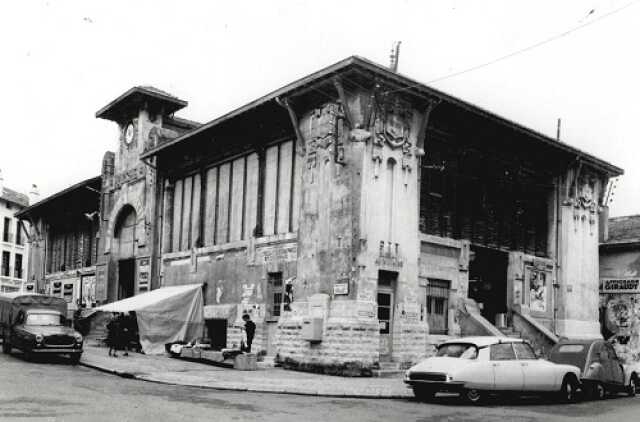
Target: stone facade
<point>359,218</point>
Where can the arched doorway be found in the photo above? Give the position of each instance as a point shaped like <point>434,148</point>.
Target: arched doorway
<point>124,251</point>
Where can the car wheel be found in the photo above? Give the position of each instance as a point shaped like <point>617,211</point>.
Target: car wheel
<point>632,387</point>
<point>474,396</point>
<point>597,391</point>
<point>75,358</point>
<point>6,346</point>
<point>28,356</point>
<point>423,393</point>
<point>568,390</point>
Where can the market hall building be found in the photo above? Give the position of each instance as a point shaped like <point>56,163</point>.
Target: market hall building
<point>358,216</point>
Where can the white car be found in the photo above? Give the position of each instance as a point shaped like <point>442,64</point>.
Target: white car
<point>475,366</point>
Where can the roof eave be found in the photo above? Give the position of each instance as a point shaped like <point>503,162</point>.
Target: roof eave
<point>109,111</point>
<point>409,83</point>
<point>30,209</point>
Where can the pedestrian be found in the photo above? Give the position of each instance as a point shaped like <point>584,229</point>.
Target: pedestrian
<point>125,333</point>
<point>250,330</point>
<point>113,333</point>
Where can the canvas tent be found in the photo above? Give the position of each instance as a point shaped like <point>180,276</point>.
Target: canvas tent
<point>164,315</point>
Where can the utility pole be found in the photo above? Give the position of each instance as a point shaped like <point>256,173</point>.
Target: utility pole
<point>394,56</point>
<point>558,129</point>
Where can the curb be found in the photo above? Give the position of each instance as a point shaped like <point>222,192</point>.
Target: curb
<point>149,378</point>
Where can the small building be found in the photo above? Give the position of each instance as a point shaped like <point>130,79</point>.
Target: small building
<point>64,244</point>
<point>14,249</point>
<point>620,286</point>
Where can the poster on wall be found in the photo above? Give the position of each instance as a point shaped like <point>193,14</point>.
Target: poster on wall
<point>101,283</point>
<point>538,291</point>
<point>89,291</point>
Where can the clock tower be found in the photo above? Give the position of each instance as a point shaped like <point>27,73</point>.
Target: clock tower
<point>127,255</point>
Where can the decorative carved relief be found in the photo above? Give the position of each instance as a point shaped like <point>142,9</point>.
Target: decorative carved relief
<point>326,133</point>
<point>393,123</point>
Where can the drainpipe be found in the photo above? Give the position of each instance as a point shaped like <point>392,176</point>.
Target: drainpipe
<point>556,285</point>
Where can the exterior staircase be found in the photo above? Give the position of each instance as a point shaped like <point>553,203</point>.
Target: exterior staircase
<point>509,331</point>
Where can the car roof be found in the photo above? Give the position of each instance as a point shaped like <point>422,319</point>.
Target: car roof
<point>483,341</point>
<point>42,311</point>
<point>586,341</point>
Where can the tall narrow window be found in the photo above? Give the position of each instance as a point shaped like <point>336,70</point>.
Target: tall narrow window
<point>390,179</point>
<point>6,256</point>
<point>17,269</point>
<point>6,232</point>
<point>19,239</point>
<point>275,291</point>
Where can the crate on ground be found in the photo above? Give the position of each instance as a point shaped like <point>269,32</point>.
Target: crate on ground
<point>246,362</point>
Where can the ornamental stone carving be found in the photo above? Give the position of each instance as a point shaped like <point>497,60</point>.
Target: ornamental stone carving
<point>393,123</point>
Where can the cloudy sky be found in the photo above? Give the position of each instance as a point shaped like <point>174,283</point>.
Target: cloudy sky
<point>63,60</point>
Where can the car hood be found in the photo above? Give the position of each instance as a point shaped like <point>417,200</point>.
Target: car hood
<point>47,330</point>
<point>441,364</point>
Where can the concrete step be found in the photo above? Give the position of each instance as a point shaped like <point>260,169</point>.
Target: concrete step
<point>388,373</point>
<point>388,370</point>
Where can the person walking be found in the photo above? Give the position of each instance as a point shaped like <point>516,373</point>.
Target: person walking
<point>113,335</point>
<point>250,330</point>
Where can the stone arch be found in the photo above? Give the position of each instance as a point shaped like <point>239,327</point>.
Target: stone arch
<point>124,232</point>
<point>120,207</point>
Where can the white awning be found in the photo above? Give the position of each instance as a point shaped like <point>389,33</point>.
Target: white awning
<point>164,315</point>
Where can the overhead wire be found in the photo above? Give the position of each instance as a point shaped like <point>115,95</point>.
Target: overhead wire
<point>520,51</point>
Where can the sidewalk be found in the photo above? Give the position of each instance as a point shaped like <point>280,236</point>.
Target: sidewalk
<point>166,370</point>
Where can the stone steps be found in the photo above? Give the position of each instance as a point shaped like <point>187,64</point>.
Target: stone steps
<point>388,370</point>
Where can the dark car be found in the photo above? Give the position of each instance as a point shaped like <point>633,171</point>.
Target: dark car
<point>601,371</point>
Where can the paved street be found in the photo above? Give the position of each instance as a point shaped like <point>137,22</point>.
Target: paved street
<point>55,391</point>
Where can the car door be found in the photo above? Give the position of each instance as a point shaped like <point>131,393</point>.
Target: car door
<point>615,369</point>
<point>538,374</point>
<point>507,370</point>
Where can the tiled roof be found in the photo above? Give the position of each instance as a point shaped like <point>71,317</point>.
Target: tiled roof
<point>624,229</point>
<point>15,197</point>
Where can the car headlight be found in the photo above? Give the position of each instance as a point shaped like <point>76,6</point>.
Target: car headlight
<point>406,375</point>
<point>449,378</point>
<point>39,338</point>
<point>78,337</point>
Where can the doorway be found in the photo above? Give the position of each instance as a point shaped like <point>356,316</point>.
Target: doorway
<point>386,289</point>
<point>126,278</point>
<point>488,281</point>
<point>217,331</point>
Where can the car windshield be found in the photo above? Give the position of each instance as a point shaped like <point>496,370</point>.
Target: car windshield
<point>458,350</point>
<point>43,319</point>
<point>571,354</point>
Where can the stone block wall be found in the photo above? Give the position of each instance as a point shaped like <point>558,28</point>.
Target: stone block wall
<point>349,345</point>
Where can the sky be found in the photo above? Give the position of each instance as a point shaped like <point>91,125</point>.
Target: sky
<point>61,61</point>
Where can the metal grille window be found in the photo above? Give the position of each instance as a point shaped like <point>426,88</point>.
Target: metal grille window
<point>276,291</point>
<point>438,305</point>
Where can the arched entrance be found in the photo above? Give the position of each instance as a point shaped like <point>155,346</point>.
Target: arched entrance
<point>123,251</point>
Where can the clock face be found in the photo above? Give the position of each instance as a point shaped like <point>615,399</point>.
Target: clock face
<point>128,134</point>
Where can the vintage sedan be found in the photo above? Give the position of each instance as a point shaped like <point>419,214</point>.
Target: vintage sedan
<point>601,371</point>
<point>477,366</point>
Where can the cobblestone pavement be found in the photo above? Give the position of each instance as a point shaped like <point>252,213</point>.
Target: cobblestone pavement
<point>266,379</point>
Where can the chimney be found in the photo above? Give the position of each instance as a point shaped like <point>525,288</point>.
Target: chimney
<point>34,195</point>
<point>394,56</point>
